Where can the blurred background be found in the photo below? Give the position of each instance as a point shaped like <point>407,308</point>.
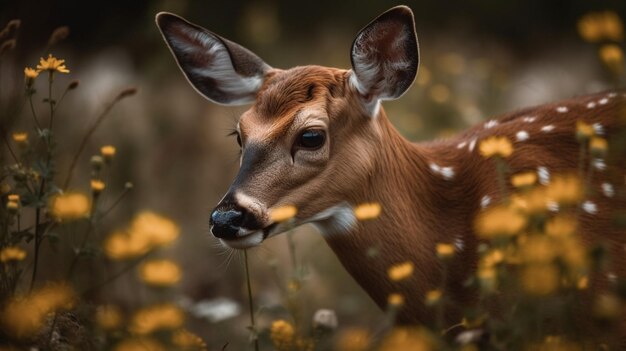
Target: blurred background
<point>478,58</point>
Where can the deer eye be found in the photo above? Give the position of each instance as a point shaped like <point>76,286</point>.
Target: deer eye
<point>311,139</point>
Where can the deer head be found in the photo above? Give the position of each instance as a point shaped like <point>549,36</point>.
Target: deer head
<point>311,135</point>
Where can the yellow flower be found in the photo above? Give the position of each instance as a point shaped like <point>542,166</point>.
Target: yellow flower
<point>30,73</point>
<point>496,146</point>
<point>158,317</point>
<point>108,317</point>
<point>445,251</point>
<point>582,283</point>
<point>353,339</point>
<point>187,340</point>
<point>13,206</point>
<point>499,220</point>
<point>565,189</point>
<point>433,297</point>
<point>12,253</point>
<point>156,229</point>
<point>540,279</point>
<point>139,344</point>
<point>52,64</point>
<point>488,278</point>
<point>160,272</point>
<point>583,130</point>
<point>492,258</point>
<point>531,202</point>
<point>69,206</point>
<point>20,137</point>
<point>24,316</point>
<point>121,245</point>
<point>613,58</point>
<point>561,226</point>
<point>537,249</point>
<point>367,211</point>
<point>395,300</point>
<point>281,334</point>
<point>409,338</point>
<point>282,213</point>
<point>108,151</point>
<point>598,146</point>
<point>524,179</point>
<point>400,271</point>
<point>13,197</point>
<point>97,186</point>
<point>599,26</point>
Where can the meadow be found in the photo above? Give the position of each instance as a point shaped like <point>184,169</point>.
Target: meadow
<point>111,164</point>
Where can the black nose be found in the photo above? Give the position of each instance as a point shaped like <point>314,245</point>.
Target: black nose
<point>226,222</point>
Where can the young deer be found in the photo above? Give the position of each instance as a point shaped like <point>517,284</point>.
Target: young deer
<point>318,138</point>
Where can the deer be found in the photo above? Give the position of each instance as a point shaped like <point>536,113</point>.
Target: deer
<point>318,138</point>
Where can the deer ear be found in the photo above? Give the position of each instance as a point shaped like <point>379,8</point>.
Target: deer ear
<point>385,56</point>
<point>222,71</point>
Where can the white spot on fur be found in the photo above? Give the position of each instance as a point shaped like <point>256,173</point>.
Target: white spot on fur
<point>461,145</point>
<point>603,101</point>
<point>334,220</point>
<point>612,277</point>
<point>591,105</point>
<point>547,128</point>
<point>472,144</point>
<point>529,119</point>
<point>522,135</point>
<point>598,128</point>
<point>562,109</point>
<point>599,164</point>
<point>491,124</point>
<point>485,201</point>
<point>544,175</point>
<point>458,243</point>
<point>446,172</point>
<point>612,95</point>
<point>608,190</point>
<point>590,207</point>
<point>552,206</point>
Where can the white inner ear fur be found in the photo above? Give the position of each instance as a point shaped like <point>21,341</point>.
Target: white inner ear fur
<point>220,67</point>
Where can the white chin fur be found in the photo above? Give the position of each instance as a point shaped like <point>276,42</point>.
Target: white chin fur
<point>244,242</point>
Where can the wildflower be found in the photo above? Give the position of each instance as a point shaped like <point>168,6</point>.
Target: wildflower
<point>13,197</point>
<point>525,179</point>
<point>30,74</point>
<point>395,300</point>
<point>69,206</point>
<point>445,251</point>
<point>52,64</point>
<point>613,58</point>
<point>13,206</point>
<point>283,213</point>
<point>12,253</point>
<point>599,26</point>
<point>582,283</point>
<point>281,334</point>
<point>492,258</point>
<point>107,151</point>
<point>160,272</point>
<point>565,189</point>
<point>187,340</point>
<point>20,138</point>
<point>574,254</point>
<point>121,245</point>
<point>598,146</point>
<point>540,279</point>
<point>73,85</point>
<point>96,162</point>
<point>531,202</point>
<point>433,297</point>
<point>157,317</point>
<point>400,271</point>
<point>353,339</point>
<point>499,220</point>
<point>139,344</point>
<point>537,249</point>
<point>108,317</point>
<point>156,229</point>
<point>367,211</point>
<point>97,186</point>
<point>584,131</point>
<point>305,344</point>
<point>325,319</point>
<point>561,226</point>
<point>408,338</point>
<point>496,146</point>
<point>487,277</point>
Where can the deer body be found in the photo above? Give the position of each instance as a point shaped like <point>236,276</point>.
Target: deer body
<point>318,138</point>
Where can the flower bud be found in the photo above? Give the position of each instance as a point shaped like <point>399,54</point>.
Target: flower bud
<point>325,319</point>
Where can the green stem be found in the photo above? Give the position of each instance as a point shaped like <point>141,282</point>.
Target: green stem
<point>116,275</point>
<point>32,110</point>
<point>250,301</point>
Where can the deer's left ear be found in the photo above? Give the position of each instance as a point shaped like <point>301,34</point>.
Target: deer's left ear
<point>385,56</point>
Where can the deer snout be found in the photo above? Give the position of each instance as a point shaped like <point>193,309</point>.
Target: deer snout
<point>230,220</point>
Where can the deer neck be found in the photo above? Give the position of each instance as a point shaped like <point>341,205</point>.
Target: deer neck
<point>411,186</point>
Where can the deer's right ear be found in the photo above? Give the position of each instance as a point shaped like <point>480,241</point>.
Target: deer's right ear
<point>385,57</point>
<point>222,71</point>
